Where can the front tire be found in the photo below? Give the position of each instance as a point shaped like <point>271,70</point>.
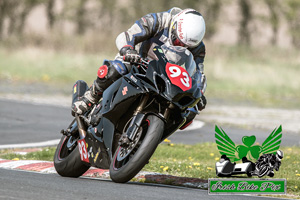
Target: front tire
<point>67,160</point>
<point>263,171</point>
<point>123,171</point>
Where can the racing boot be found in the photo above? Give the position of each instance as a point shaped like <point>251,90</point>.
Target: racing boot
<point>90,97</point>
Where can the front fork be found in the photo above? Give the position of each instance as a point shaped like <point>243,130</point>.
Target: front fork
<point>134,124</point>
<point>81,127</point>
<point>137,120</point>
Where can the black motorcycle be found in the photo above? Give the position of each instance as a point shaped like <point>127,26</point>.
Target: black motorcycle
<point>136,113</point>
<point>265,166</point>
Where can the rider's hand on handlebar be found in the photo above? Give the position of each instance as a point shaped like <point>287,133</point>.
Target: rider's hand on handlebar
<point>130,54</point>
<point>127,50</point>
<point>133,58</point>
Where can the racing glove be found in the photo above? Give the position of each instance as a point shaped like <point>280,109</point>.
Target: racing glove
<point>130,54</point>
<point>128,49</point>
<point>202,103</point>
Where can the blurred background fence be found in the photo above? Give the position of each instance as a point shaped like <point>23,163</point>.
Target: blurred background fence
<point>93,24</point>
<point>252,56</point>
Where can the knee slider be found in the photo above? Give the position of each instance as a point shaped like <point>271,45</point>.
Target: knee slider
<point>108,73</point>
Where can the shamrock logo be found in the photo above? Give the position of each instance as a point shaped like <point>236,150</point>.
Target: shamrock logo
<point>243,150</point>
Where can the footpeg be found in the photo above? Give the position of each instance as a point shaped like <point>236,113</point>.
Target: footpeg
<point>65,132</point>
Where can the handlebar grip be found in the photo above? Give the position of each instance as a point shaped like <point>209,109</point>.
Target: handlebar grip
<point>133,58</point>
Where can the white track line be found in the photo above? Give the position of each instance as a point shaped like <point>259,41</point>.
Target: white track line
<point>195,125</point>
<point>27,145</point>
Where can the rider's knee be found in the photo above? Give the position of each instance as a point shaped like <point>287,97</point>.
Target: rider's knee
<point>109,72</point>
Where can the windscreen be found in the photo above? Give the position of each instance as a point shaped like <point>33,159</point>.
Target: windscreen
<point>180,56</point>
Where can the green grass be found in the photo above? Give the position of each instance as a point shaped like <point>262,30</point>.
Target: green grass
<point>36,65</point>
<point>265,77</point>
<point>199,161</point>
<point>196,161</point>
<point>45,154</point>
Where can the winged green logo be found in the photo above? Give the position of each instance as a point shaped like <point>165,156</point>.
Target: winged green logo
<point>237,152</point>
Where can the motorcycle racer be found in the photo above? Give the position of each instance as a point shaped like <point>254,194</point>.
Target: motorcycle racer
<point>176,27</point>
<point>272,160</point>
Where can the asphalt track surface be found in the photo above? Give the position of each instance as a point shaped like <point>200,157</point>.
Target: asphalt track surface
<point>27,185</point>
<point>29,123</point>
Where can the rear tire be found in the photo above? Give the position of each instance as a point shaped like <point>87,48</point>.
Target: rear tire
<point>249,174</point>
<point>140,158</point>
<point>67,161</point>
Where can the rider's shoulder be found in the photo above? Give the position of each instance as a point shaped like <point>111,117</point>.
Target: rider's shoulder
<point>198,49</point>
<point>174,10</point>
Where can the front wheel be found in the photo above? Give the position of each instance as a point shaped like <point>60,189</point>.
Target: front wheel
<point>264,170</point>
<point>67,160</point>
<point>126,163</point>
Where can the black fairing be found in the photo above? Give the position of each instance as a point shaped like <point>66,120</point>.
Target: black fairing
<point>115,104</point>
<point>120,96</point>
<point>120,101</point>
<point>99,144</point>
<point>156,73</point>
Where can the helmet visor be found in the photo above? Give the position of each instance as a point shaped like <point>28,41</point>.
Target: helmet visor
<point>174,37</point>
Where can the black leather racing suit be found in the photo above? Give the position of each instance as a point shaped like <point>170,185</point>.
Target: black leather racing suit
<point>149,31</point>
<point>153,29</point>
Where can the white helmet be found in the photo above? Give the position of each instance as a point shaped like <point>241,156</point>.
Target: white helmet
<point>187,28</point>
<point>279,155</point>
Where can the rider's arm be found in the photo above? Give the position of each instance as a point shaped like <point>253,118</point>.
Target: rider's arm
<point>199,55</point>
<point>145,28</point>
<point>277,165</point>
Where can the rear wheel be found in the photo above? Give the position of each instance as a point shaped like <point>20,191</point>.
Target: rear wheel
<point>67,160</point>
<point>249,174</point>
<point>127,162</point>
